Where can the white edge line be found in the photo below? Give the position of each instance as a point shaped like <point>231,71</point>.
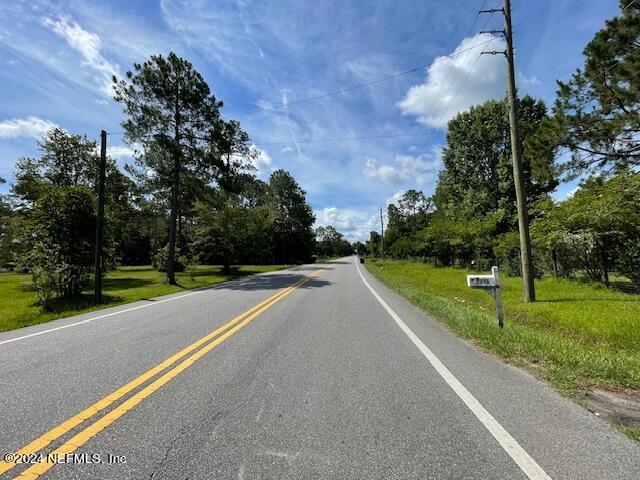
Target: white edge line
<point>527,464</point>
<point>97,318</point>
<point>155,302</point>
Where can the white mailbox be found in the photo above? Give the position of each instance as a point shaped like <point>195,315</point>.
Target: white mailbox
<point>481,281</point>
<point>490,283</point>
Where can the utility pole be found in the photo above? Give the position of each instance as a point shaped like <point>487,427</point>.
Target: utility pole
<point>382,236</point>
<point>100,219</point>
<point>516,153</point>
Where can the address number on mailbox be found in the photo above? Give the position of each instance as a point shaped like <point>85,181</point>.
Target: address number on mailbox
<point>481,281</point>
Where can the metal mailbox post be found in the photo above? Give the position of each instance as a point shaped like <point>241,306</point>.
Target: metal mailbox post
<point>490,283</point>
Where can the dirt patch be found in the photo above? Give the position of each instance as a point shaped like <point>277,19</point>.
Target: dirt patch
<point>619,406</point>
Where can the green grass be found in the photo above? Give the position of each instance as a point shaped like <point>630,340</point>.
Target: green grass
<point>18,306</point>
<point>577,336</point>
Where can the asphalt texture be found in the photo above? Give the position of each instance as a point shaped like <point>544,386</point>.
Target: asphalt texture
<point>323,384</point>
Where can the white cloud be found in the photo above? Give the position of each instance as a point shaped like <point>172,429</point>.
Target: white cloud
<point>354,224</point>
<point>528,81</point>
<point>415,169</point>
<point>120,151</point>
<point>89,46</point>
<point>287,149</point>
<point>395,198</point>
<point>262,160</point>
<point>454,84</point>
<point>386,173</point>
<point>34,127</point>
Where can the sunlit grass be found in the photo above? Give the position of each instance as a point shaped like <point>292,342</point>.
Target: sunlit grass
<point>18,306</point>
<point>576,336</point>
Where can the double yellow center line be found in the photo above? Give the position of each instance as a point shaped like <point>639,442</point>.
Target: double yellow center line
<point>211,341</point>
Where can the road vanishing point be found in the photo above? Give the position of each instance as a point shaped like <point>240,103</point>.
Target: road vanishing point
<point>319,371</point>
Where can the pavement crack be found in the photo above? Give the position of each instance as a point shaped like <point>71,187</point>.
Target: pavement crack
<point>167,452</point>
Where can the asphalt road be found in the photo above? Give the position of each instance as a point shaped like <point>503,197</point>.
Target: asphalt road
<point>331,379</point>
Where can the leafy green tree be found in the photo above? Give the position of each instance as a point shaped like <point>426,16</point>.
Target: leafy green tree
<point>70,160</point>
<point>598,228</point>
<point>374,244</point>
<point>172,112</point>
<point>67,160</point>
<point>597,112</point>
<point>222,231</point>
<point>64,240</point>
<point>6,216</point>
<point>360,248</point>
<point>467,242</point>
<point>331,243</point>
<point>475,196</point>
<point>231,153</point>
<point>293,218</point>
<point>405,221</point>
<point>477,178</point>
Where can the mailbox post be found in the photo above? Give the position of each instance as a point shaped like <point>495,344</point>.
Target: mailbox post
<point>491,284</point>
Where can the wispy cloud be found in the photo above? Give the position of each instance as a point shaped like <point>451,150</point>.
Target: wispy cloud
<point>89,46</point>
<point>531,80</point>
<point>33,127</point>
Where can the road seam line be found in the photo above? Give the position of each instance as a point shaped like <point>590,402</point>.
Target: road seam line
<point>510,445</point>
<point>56,432</point>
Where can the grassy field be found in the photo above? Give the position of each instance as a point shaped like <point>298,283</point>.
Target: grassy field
<point>577,336</point>
<point>125,284</point>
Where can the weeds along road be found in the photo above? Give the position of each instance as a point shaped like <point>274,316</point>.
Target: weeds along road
<point>314,372</point>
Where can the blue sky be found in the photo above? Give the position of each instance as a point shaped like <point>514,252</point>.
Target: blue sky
<point>56,59</point>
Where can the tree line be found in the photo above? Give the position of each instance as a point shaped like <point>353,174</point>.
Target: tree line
<point>191,196</point>
<point>591,133</point>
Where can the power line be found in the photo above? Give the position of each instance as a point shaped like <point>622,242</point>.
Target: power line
<point>440,99</point>
<point>346,139</point>
<point>399,135</point>
<point>359,86</point>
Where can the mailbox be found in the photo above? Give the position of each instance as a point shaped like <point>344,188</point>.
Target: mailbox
<point>481,281</point>
<point>490,284</point>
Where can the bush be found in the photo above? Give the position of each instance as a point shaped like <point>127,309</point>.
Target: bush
<point>160,260</point>
<point>507,250</point>
<point>62,257</point>
<point>629,262</point>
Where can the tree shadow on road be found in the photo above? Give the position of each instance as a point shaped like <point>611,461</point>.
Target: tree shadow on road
<point>272,282</point>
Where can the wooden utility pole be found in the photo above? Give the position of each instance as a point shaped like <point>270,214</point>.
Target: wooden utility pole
<point>382,235</point>
<point>100,219</point>
<point>516,154</point>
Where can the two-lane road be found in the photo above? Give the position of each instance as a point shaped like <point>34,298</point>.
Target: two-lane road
<point>313,372</point>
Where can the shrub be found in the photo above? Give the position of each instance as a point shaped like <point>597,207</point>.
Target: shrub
<point>161,256</point>
<point>629,262</point>
<point>62,256</point>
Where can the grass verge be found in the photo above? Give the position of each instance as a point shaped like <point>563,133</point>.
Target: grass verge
<point>577,337</point>
<point>18,306</point>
